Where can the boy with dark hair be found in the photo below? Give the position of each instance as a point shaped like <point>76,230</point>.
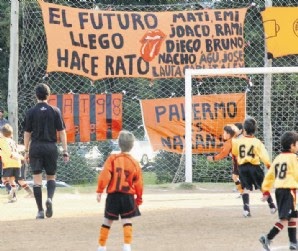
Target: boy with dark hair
<point>230,131</point>
<point>122,177</point>
<point>249,152</point>
<point>42,122</point>
<point>228,134</point>
<point>283,174</point>
<point>240,129</point>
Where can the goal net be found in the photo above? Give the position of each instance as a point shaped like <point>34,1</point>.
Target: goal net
<point>267,113</point>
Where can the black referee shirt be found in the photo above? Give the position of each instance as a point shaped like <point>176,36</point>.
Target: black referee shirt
<point>43,121</point>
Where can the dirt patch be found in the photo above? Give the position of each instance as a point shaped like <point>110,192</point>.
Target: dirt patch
<point>205,218</point>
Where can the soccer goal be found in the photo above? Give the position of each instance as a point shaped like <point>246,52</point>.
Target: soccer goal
<point>199,73</point>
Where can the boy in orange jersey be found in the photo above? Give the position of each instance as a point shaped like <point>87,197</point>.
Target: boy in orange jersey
<point>122,178</point>
<point>283,174</point>
<point>249,152</point>
<point>11,160</point>
<point>230,131</point>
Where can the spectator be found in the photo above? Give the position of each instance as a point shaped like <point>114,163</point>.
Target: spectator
<point>3,120</point>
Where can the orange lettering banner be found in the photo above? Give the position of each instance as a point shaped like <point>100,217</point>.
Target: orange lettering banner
<point>165,126</point>
<point>105,44</point>
<point>281,30</point>
<point>90,117</point>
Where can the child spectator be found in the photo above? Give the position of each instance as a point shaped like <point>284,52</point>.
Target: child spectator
<point>11,161</point>
<point>3,121</point>
<point>122,178</point>
<point>283,174</point>
<point>249,152</point>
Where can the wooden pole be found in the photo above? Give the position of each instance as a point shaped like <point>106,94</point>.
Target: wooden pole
<point>267,123</point>
<point>12,99</point>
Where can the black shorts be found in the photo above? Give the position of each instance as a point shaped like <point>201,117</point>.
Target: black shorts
<point>43,156</point>
<point>286,203</point>
<point>121,204</point>
<point>235,170</point>
<point>11,172</point>
<point>0,168</point>
<point>251,176</point>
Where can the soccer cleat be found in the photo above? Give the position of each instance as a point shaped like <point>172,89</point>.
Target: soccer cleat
<point>273,208</point>
<point>239,196</point>
<point>14,199</point>
<point>102,248</point>
<point>49,206</point>
<point>126,247</point>
<point>293,246</point>
<point>12,196</point>
<point>29,195</point>
<point>246,214</point>
<point>40,215</point>
<point>265,242</point>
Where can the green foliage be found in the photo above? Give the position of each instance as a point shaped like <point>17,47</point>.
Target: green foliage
<point>76,171</point>
<point>4,50</point>
<point>205,171</point>
<point>149,178</point>
<point>187,186</point>
<point>166,164</point>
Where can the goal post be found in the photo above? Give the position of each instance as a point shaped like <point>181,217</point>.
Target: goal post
<point>189,74</point>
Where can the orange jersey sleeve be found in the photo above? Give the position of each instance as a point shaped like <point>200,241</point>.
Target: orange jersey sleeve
<point>226,149</point>
<point>121,173</point>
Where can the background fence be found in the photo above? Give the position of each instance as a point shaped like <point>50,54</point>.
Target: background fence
<point>167,167</point>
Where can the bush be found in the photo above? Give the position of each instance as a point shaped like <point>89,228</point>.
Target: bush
<point>167,164</point>
<point>76,171</point>
<point>205,171</point>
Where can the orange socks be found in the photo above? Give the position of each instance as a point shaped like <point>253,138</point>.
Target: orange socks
<point>127,233</point>
<point>103,235</point>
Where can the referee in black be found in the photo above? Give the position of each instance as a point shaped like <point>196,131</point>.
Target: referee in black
<point>42,122</point>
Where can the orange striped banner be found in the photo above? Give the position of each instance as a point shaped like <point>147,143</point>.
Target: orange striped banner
<point>90,117</point>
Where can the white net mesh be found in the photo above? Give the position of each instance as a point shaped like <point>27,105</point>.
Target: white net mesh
<point>167,167</point>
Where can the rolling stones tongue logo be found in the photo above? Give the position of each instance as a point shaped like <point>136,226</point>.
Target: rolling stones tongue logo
<point>295,27</point>
<point>151,43</point>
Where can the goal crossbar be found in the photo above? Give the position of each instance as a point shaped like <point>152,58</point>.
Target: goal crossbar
<point>189,73</point>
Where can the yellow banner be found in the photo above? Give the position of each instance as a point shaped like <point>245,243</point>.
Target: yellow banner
<point>281,30</point>
<point>105,44</point>
<point>165,126</point>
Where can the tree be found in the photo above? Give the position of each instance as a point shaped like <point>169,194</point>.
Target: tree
<point>4,50</point>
